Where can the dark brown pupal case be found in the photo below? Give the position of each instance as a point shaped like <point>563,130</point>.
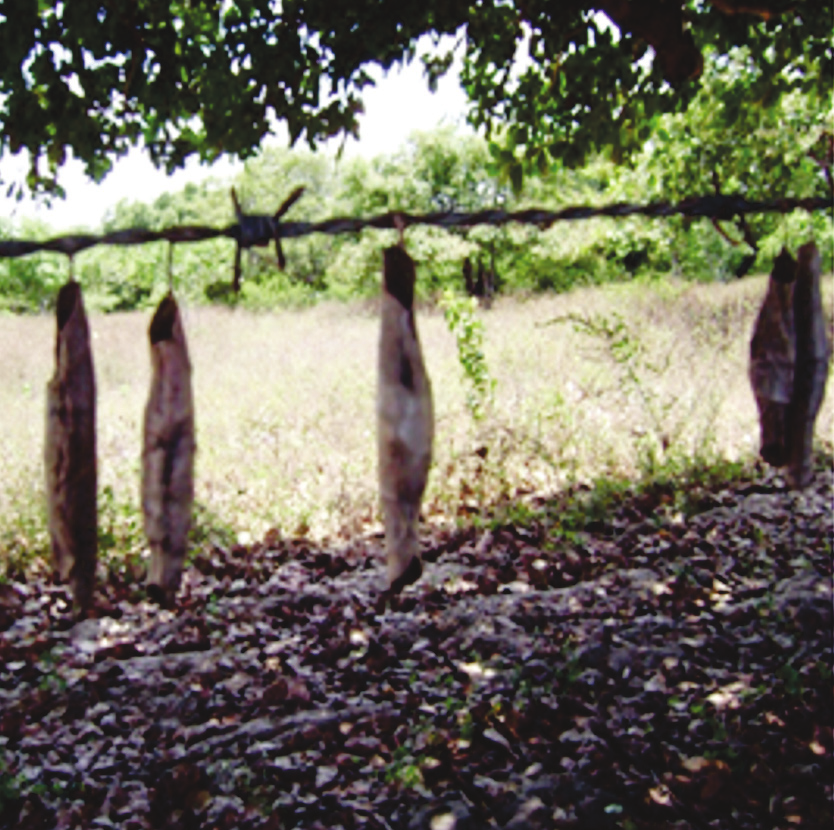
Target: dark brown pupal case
<point>70,450</point>
<point>168,454</point>
<point>405,420</point>
<point>789,357</point>
<point>813,352</point>
<point>399,275</point>
<point>772,359</point>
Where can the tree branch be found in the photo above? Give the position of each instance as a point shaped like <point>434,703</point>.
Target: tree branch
<point>660,24</point>
<point>766,9</point>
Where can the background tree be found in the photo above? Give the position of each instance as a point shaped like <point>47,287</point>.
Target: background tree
<point>441,169</point>
<point>207,78</point>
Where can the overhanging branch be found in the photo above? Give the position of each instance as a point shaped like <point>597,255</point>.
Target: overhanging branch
<point>764,9</point>
<point>660,24</point>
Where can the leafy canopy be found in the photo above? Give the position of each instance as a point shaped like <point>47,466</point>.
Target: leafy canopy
<point>558,79</point>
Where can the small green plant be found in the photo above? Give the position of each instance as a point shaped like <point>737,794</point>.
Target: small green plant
<point>9,788</point>
<point>468,330</point>
<point>408,775</point>
<point>24,538</point>
<point>51,680</point>
<point>120,524</point>
<point>55,788</point>
<point>624,349</point>
<point>792,680</point>
<point>466,725</point>
<point>121,536</point>
<point>208,528</point>
<point>404,768</point>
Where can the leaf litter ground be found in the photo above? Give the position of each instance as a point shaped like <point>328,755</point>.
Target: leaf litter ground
<point>665,662</point>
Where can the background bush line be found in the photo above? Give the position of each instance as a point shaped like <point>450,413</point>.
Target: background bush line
<point>686,154</point>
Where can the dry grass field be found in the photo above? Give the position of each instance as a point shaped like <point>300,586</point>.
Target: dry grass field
<point>285,405</point>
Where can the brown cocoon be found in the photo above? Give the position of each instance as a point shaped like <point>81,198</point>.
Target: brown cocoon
<point>813,352</point>
<point>405,420</point>
<point>772,359</point>
<point>168,454</point>
<point>70,450</point>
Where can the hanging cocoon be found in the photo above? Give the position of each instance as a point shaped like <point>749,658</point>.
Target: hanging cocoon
<point>168,454</point>
<point>70,450</point>
<point>405,420</point>
<point>813,352</point>
<point>772,359</point>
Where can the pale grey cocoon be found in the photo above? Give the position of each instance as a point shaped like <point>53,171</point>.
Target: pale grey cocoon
<point>70,450</point>
<point>405,420</point>
<point>813,352</point>
<point>772,359</point>
<point>168,453</point>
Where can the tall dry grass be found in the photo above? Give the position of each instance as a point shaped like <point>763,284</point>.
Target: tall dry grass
<point>285,404</point>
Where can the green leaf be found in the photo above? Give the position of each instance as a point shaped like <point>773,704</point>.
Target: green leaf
<point>232,70</point>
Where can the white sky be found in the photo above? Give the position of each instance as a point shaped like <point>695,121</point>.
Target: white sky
<point>400,104</point>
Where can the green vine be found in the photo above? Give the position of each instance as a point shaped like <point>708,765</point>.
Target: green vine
<point>468,330</point>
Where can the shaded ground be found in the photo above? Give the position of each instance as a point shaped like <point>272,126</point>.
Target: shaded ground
<point>623,660</point>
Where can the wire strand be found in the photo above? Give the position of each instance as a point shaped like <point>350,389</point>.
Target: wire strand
<point>713,206</point>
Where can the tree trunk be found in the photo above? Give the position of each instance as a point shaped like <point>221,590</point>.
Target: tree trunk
<point>168,454</point>
<point>70,450</point>
<point>405,421</point>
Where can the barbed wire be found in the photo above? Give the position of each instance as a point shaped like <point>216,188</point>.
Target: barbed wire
<point>260,230</point>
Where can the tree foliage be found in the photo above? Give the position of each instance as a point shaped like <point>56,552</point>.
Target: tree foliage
<point>445,169</point>
<point>560,80</point>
